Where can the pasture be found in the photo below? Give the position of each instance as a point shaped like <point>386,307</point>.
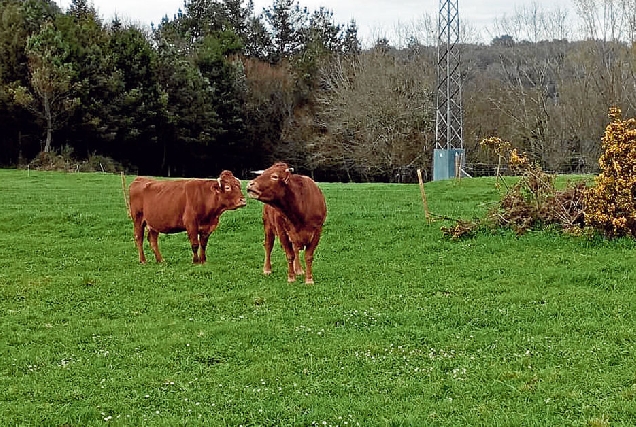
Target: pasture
<point>402,328</point>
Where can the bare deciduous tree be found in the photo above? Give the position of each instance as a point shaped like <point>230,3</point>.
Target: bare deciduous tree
<point>375,115</point>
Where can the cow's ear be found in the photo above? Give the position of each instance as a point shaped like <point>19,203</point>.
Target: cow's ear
<point>288,172</point>
<point>217,186</point>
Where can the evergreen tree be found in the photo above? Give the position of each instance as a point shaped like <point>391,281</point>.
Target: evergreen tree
<point>350,44</point>
<point>13,36</point>
<point>51,95</point>
<point>226,97</point>
<point>136,114</point>
<point>191,120</point>
<point>286,22</point>
<point>82,30</point>
<point>13,71</point>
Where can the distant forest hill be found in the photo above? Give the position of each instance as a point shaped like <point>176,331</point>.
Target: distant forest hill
<point>219,87</point>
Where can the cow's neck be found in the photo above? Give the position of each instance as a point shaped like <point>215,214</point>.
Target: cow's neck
<point>214,209</point>
<point>289,205</point>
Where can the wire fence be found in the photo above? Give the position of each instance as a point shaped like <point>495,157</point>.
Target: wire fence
<point>577,166</point>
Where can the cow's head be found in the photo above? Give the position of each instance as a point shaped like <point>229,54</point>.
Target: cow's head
<point>271,184</point>
<point>229,191</point>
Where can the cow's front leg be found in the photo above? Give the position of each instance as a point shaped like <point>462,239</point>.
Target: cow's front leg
<point>289,253</point>
<point>203,240</point>
<point>204,234</point>
<point>193,236</point>
<point>153,239</point>
<point>298,268</point>
<point>268,244</point>
<point>309,259</point>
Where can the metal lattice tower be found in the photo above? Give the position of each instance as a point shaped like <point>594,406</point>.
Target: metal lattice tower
<point>449,118</point>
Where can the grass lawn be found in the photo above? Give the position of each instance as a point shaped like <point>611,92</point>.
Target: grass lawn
<point>402,328</point>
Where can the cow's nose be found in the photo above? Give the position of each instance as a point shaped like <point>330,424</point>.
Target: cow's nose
<point>252,190</point>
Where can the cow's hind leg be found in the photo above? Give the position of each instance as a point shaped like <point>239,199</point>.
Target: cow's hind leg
<point>153,239</point>
<point>139,227</point>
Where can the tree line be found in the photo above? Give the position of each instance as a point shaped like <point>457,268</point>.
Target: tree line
<point>220,86</point>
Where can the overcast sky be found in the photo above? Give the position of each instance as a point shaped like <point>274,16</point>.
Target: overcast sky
<point>373,17</point>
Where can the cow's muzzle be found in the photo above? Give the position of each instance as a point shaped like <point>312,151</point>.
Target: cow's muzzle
<point>252,191</point>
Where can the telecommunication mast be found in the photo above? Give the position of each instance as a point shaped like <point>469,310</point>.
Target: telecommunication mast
<point>448,155</point>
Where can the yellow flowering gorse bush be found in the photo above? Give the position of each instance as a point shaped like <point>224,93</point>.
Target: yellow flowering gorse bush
<point>610,206</point>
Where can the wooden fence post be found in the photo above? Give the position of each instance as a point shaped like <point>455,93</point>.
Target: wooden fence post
<point>424,201</point>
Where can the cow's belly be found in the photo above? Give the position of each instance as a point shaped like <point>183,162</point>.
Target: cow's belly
<point>167,230</point>
<point>164,222</point>
<point>301,238</point>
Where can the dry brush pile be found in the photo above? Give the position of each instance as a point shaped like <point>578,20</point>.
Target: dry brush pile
<point>534,202</point>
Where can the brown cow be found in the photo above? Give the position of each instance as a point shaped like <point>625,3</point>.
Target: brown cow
<point>191,205</point>
<point>295,211</point>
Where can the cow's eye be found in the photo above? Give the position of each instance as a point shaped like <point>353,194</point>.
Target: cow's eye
<point>275,177</point>
<point>228,188</point>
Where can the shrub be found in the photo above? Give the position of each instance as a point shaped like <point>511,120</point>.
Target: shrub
<point>533,202</point>
<point>610,206</point>
<point>99,163</point>
<point>51,161</point>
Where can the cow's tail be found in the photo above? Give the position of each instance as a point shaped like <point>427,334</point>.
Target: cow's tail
<point>126,194</point>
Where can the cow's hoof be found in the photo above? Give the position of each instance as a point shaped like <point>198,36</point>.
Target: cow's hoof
<point>291,279</point>
<point>309,282</point>
<point>267,272</point>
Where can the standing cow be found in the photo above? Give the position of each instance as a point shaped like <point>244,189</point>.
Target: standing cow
<point>295,211</point>
<point>191,205</point>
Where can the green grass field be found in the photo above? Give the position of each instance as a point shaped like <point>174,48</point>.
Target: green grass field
<point>402,328</point>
